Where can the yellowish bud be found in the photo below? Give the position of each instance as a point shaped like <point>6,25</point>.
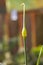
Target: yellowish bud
<point>24,32</point>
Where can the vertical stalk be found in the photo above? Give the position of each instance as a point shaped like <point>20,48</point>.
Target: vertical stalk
<point>24,33</point>
<point>25,53</point>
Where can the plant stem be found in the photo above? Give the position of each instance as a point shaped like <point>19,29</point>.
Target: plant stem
<point>25,51</point>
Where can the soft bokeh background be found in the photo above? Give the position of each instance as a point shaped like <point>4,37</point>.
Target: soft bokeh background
<point>11,40</point>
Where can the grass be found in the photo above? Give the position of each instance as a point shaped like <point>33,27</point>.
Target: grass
<point>38,60</point>
<point>38,51</point>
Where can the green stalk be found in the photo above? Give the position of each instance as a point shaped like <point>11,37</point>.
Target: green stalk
<point>25,51</point>
<point>38,60</point>
<point>24,33</point>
